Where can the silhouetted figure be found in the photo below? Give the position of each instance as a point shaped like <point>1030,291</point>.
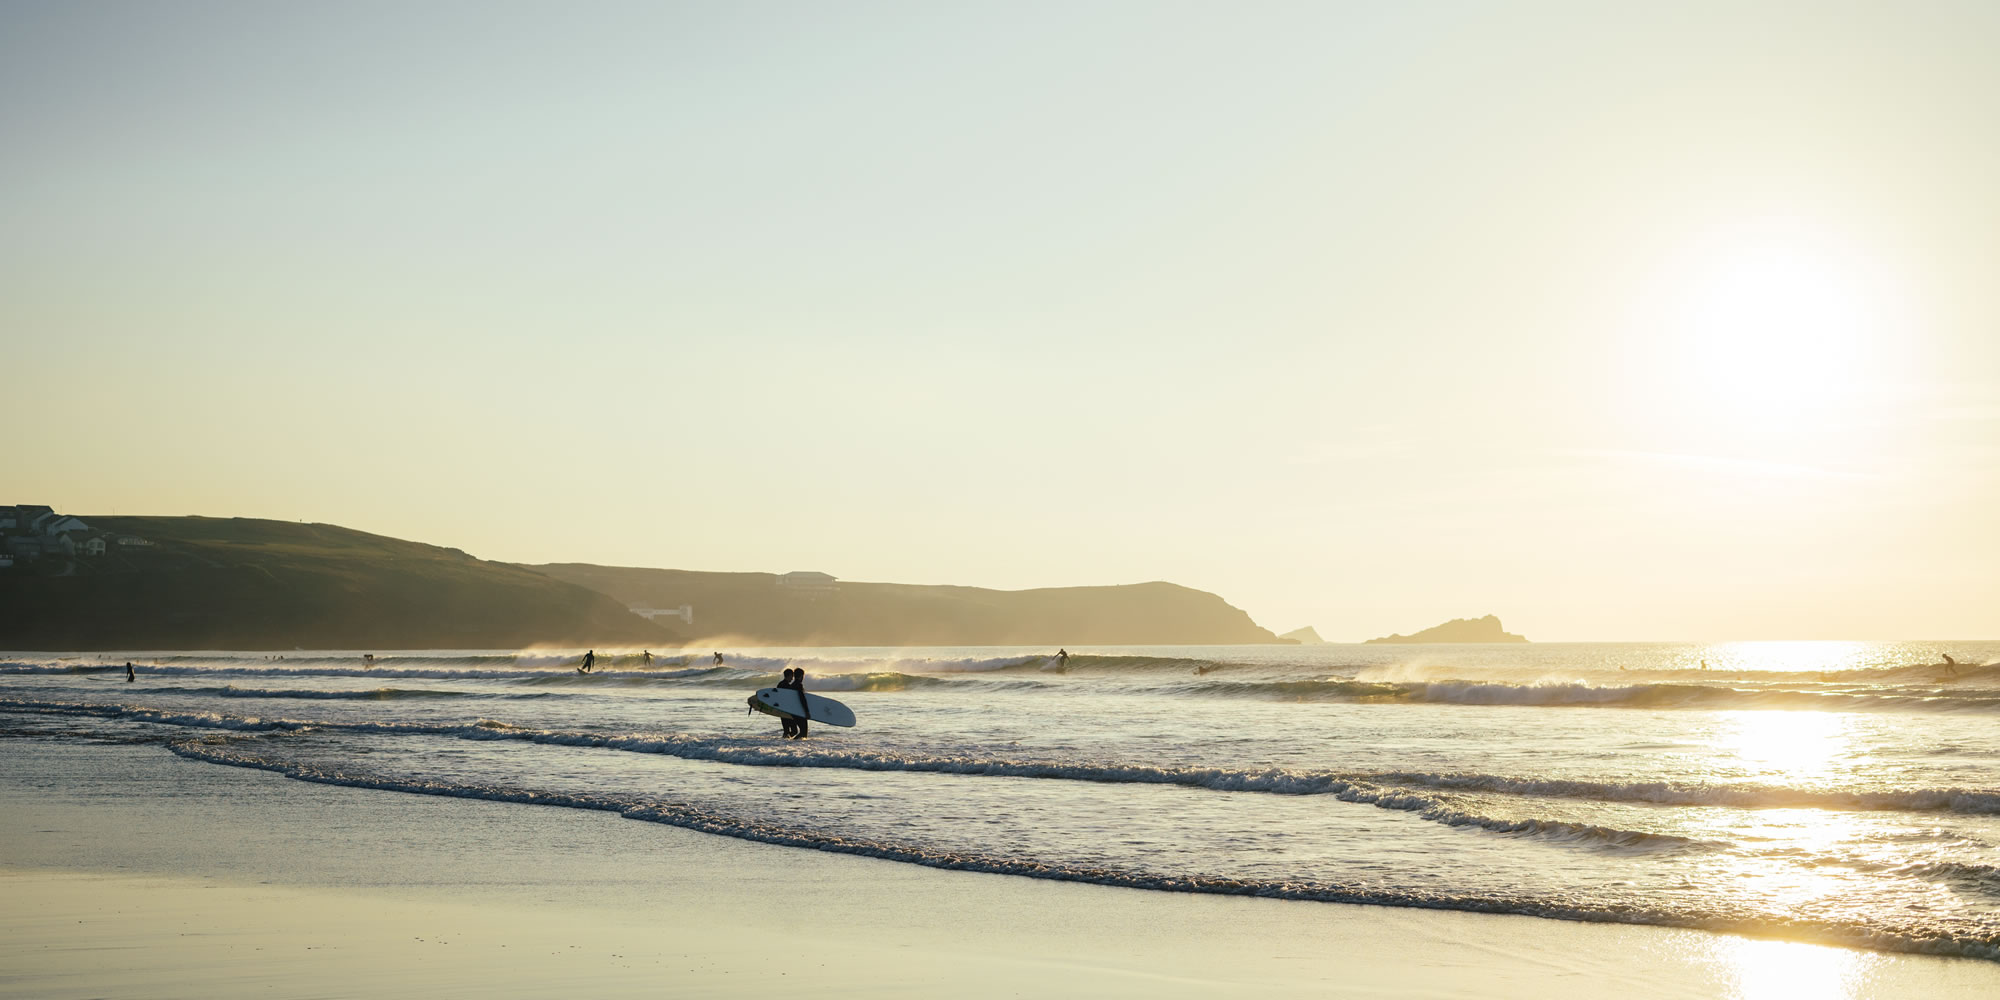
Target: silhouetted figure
<point>130,676</point>
<point>1704,664</point>
<point>797,682</point>
<point>788,724</point>
<point>647,656</point>
<point>368,661</point>
<point>718,659</point>
<point>1062,659</point>
<point>589,660</point>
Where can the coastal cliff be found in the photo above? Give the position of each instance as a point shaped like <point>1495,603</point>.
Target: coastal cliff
<point>243,583</point>
<point>764,609</point>
<point>1485,629</point>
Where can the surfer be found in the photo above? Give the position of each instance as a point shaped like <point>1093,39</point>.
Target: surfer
<point>789,723</point>
<point>129,675</point>
<point>647,656</point>
<point>718,659</point>
<point>797,682</point>
<point>589,660</point>
<point>1062,659</point>
<point>368,661</point>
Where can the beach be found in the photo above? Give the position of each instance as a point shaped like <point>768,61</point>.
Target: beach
<point>132,872</point>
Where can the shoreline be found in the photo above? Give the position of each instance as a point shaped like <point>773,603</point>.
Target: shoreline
<point>133,870</point>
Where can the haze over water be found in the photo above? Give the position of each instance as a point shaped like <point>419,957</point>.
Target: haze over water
<point>1844,793</point>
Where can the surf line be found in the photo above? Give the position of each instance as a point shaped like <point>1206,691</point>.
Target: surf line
<point>693,818</point>
<point>1390,790</point>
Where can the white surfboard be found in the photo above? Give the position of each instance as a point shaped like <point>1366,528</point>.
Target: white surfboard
<point>785,701</point>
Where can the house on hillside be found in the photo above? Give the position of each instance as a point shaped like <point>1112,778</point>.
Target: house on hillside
<point>20,519</point>
<point>93,546</point>
<point>52,524</point>
<point>34,530</point>
<point>808,582</point>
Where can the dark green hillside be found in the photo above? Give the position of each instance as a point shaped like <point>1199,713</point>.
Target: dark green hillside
<point>753,608</point>
<point>240,583</point>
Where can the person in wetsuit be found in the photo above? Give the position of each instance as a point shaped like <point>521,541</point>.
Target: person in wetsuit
<point>797,682</point>
<point>790,724</point>
<point>589,660</point>
<point>130,676</point>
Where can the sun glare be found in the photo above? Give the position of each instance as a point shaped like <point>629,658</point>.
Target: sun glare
<point>1770,332</point>
<point>1775,970</point>
<point>1792,747</point>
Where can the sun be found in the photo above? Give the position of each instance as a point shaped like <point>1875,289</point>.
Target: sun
<point>1769,332</point>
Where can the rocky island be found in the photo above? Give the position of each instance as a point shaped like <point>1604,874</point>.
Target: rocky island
<point>1485,629</point>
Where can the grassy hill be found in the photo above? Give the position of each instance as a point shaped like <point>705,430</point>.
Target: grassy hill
<point>750,608</point>
<point>241,583</point>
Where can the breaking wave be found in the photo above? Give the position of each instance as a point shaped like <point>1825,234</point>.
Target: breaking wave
<point>1900,936</point>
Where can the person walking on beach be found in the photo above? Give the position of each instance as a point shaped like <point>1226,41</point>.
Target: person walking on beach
<point>129,675</point>
<point>589,660</point>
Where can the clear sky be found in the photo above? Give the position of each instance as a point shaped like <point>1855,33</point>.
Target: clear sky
<point>1621,321</point>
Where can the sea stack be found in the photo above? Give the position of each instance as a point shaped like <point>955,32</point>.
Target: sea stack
<point>1485,629</point>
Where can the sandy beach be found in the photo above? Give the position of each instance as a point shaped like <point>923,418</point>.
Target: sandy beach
<point>130,872</point>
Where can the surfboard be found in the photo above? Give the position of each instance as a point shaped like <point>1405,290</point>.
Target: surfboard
<point>785,701</point>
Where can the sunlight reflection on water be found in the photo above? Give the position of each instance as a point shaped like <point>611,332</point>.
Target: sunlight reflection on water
<point>1768,970</point>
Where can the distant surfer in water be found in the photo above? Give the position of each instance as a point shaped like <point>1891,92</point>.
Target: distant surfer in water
<point>368,661</point>
<point>589,660</point>
<point>130,676</point>
<point>718,659</point>
<point>1062,659</point>
<point>647,656</point>
<point>1949,662</point>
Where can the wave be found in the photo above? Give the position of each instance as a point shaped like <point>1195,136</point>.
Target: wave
<point>1735,796</point>
<point>1903,937</point>
<point>1380,788</point>
<point>1580,695</point>
<point>317,694</point>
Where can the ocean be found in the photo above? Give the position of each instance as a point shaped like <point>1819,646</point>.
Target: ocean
<point>1843,793</point>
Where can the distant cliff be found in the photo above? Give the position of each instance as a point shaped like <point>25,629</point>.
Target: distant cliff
<point>1485,629</point>
<point>1304,636</point>
<point>761,609</point>
<point>241,583</point>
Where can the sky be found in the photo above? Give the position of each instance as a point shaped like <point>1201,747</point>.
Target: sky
<point>1618,321</point>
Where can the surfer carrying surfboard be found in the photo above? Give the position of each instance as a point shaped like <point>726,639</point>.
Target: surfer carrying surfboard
<point>795,679</point>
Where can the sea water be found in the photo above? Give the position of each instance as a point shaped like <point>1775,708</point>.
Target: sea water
<point>1844,793</point>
